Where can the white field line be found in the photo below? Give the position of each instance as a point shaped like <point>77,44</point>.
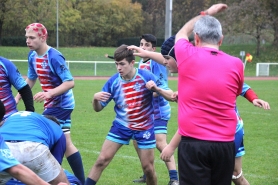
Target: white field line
<point>120,156</point>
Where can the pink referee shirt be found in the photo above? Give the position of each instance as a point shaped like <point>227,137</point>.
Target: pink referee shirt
<point>209,82</point>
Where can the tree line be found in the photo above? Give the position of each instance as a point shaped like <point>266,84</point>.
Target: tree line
<point>103,22</point>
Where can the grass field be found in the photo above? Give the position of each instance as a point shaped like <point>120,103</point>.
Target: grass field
<point>260,164</point>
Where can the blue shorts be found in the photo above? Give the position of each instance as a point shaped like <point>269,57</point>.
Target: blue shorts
<point>239,146</point>
<point>160,126</point>
<point>122,135</point>
<point>63,115</point>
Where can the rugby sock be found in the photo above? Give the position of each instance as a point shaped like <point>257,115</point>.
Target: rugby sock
<point>90,181</point>
<point>144,176</point>
<point>76,165</point>
<point>173,174</point>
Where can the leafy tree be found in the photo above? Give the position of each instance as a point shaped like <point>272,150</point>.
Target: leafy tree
<point>5,7</point>
<point>106,20</point>
<point>272,6</point>
<point>250,21</point>
<point>183,11</point>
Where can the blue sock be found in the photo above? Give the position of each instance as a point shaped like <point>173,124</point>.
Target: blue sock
<point>144,176</point>
<point>76,165</point>
<point>173,174</point>
<point>90,181</point>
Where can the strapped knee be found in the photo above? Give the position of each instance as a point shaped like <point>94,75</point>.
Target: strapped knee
<point>238,176</point>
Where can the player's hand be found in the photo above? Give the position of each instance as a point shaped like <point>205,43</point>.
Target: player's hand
<point>216,8</point>
<point>175,96</point>
<point>151,85</point>
<point>261,103</point>
<point>102,96</point>
<point>167,153</point>
<point>138,51</point>
<point>41,96</point>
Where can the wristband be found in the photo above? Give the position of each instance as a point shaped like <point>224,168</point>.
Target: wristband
<point>250,95</point>
<point>203,13</point>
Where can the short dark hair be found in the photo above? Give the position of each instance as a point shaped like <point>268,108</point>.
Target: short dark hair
<point>122,52</point>
<point>52,118</point>
<point>2,110</point>
<point>149,38</point>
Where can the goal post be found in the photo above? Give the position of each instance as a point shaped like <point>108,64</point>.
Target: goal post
<point>267,69</point>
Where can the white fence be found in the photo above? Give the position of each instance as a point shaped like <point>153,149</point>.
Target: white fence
<point>95,63</point>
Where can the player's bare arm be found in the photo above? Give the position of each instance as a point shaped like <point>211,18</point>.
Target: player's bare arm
<point>167,94</point>
<point>157,57</point>
<point>25,175</point>
<point>65,86</point>
<point>187,29</point>
<point>31,83</point>
<point>98,97</point>
<point>169,150</point>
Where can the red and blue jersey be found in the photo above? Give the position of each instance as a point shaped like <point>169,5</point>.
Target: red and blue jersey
<point>51,70</point>
<point>133,101</point>
<point>9,75</point>
<point>162,109</point>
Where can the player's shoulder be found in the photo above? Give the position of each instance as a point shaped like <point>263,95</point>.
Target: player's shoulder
<point>144,72</point>
<point>55,54</point>
<point>5,61</point>
<point>2,59</point>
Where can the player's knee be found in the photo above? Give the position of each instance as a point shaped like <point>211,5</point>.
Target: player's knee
<point>148,170</point>
<point>102,161</point>
<point>160,145</point>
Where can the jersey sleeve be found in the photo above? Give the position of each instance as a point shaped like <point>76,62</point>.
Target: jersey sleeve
<point>160,72</point>
<point>6,157</point>
<point>108,87</point>
<point>31,74</point>
<point>14,75</point>
<point>59,66</point>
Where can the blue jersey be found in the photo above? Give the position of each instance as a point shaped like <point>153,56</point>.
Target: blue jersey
<point>162,109</point>
<point>6,158</point>
<point>133,101</point>
<point>245,88</point>
<point>9,76</point>
<point>51,70</point>
<point>30,126</point>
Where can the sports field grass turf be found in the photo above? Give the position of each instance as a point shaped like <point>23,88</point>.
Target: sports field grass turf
<point>89,129</point>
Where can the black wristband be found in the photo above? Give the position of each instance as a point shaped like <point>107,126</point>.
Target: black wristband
<point>27,97</point>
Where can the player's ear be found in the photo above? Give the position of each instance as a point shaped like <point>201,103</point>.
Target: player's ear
<point>221,40</point>
<point>43,37</point>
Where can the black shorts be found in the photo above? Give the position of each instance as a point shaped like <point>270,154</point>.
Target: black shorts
<point>205,162</point>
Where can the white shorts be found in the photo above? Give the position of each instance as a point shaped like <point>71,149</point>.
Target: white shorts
<point>36,157</point>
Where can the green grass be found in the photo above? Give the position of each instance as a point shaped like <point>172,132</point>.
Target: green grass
<point>268,54</point>
<point>90,128</point>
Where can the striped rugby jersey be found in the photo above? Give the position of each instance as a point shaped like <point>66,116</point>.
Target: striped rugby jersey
<point>133,101</point>
<point>51,70</point>
<point>9,75</point>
